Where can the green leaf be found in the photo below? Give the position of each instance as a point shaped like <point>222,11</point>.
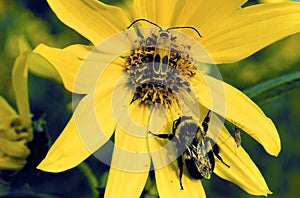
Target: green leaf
<point>274,87</point>
<point>91,178</point>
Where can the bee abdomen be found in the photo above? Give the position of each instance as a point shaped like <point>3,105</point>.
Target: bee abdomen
<point>198,170</point>
<point>192,169</point>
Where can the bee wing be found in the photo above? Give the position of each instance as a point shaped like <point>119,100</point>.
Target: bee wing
<point>203,157</point>
<point>198,151</point>
<point>202,149</point>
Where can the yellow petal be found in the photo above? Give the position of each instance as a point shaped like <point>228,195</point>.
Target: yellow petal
<point>238,109</point>
<point>250,29</point>
<point>16,149</point>
<point>242,171</point>
<point>8,132</point>
<point>167,171</point>
<point>167,181</point>
<point>131,161</point>
<point>206,16</point>
<point>162,13</point>
<point>6,111</point>
<point>125,184</point>
<point>20,85</point>
<point>67,62</point>
<point>40,67</point>
<point>106,88</point>
<point>10,163</point>
<point>203,15</point>
<point>133,143</point>
<point>92,19</point>
<point>67,151</point>
<point>129,168</point>
<point>82,136</point>
<point>90,127</point>
<point>10,122</point>
<point>273,1</point>
<point>23,44</point>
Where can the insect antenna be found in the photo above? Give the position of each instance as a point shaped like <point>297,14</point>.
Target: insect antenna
<point>146,20</point>
<point>185,27</point>
<point>227,126</point>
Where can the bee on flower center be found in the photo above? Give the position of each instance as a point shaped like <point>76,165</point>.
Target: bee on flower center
<point>196,151</point>
<point>159,66</point>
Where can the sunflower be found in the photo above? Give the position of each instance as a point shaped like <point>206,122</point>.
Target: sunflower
<point>15,129</point>
<point>143,73</point>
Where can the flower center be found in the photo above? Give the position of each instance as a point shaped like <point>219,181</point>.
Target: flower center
<point>158,69</point>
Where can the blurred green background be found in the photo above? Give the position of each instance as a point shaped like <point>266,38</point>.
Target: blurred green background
<point>34,21</point>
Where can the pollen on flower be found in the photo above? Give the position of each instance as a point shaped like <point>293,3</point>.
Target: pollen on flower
<point>158,69</point>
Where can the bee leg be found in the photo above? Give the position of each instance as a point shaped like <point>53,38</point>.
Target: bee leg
<point>205,122</point>
<point>180,166</point>
<point>163,136</point>
<point>175,124</point>
<point>216,150</point>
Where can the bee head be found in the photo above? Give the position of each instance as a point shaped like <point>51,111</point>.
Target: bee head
<point>187,130</point>
<point>164,34</point>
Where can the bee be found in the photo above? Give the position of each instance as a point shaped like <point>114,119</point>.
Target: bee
<point>162,43</point>
<point>195,150</point>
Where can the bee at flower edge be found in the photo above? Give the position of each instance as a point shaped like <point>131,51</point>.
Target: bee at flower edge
<point>196,150</point>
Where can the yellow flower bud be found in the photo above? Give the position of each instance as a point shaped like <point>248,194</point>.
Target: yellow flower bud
<point>16,130</point>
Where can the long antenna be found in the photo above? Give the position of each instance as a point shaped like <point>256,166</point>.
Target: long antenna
<point>146,20</point>
<point>160,28</point>
<point>185,27</point>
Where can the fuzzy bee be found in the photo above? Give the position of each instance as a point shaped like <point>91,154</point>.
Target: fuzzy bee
<point>195,150</point>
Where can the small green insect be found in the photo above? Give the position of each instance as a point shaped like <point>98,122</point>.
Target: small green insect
<point>237,136</point>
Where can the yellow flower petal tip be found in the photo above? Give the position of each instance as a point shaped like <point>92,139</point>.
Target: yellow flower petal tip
<point>240,110</point>
<point>52,162</point>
